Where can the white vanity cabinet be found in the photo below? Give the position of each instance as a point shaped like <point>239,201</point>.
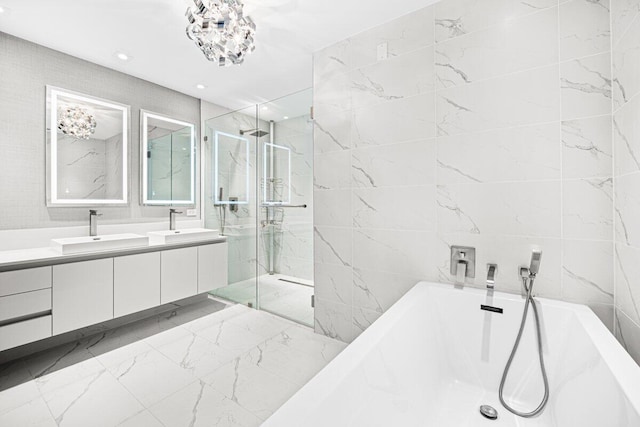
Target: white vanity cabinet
<point>38,302</point>
<point>25,306</point>
<point>178,274</point>
<point>212,267</point>
<point>136,283</point>
<point>82,294</point>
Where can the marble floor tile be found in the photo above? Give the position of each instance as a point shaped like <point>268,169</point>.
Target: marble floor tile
<point>217,317</point>
<point>16,387</point>
<point>151,376</point>
<point>163,338</point>
<point>260,323</point>
<point>32,414</point>
<point>54,380</point>
<point>250,386</point>
<point>231,337</point>
<point>196,354</point>
<point>122,354</point>
<point>284,361</point>
<point>142,419</point>
<point>199,404</point>
<point>303,339</point>
<point>111,340</point>
<point>233,367</point>
<point>84,402</point>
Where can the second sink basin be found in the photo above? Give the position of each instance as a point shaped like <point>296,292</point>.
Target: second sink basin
<point>76,245</point>
<point>181,236</point>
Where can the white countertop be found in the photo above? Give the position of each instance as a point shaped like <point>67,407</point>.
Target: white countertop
<point>38,257</point>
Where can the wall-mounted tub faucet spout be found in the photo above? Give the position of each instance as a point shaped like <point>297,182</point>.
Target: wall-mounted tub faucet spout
<point>172,218</point>
<point>492,269</point>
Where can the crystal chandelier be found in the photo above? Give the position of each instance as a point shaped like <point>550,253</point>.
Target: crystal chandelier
<point>76,121</point>
<point>220,30</point>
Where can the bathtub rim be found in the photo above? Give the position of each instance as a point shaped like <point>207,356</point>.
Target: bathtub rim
<point>620,363</point>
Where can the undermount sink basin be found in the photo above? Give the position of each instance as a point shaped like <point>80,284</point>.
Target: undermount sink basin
<point>181,236</point>
<point>76,245</point>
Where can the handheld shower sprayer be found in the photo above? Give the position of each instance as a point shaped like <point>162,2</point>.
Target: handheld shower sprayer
<point>528,276</point>
<point>534,266</point>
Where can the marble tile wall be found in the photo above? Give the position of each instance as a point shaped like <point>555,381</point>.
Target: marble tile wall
<point>625,19</point>
<point>488,125</point>
<point>295,244</point>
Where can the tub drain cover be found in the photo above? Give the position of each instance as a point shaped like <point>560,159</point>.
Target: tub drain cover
<point>489,412</point>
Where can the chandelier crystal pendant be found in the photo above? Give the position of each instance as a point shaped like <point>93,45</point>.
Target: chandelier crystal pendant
<point>221,31</point>
<point>76,121</point>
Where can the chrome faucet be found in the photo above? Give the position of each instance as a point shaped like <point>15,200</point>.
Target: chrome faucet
<point>172,218</point>
<point>492,269</point>
<point>93,222</point>
<point>463,263</point>
<point>461,268</point>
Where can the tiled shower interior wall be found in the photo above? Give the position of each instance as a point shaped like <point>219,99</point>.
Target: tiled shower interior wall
<point>294,244</point>
<point>625,25</point>
<point>294,239</point>
<point>488,125</point>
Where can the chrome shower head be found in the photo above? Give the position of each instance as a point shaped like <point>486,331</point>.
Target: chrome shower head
<point>254,132</point>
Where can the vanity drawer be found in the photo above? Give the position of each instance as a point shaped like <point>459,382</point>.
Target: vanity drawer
<point>30,279</point>
<point>17,334</point>
<point>25,304</point>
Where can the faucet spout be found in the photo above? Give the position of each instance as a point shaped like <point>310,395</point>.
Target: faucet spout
<point>172,218</point>
<point>93,222</point>
<point>461,272</point>
<point>492,269</point>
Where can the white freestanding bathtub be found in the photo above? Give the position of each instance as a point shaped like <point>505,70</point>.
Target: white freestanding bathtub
<point>435,357</point>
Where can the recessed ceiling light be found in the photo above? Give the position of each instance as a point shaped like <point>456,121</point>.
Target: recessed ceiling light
<point>200,86</point>
<point>285,117</point>
<point>122,56</point>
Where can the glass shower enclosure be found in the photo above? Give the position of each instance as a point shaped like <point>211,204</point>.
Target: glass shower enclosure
<point>258,192</point>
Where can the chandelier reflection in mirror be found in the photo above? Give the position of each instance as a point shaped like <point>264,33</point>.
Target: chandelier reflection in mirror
<point>76,121</point>
<point>221,31</point>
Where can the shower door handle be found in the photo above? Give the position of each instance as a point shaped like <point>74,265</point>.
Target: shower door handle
<point>269,205</point>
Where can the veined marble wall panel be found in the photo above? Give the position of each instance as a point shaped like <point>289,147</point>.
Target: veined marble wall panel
<point>495,134</point>
<point>625,18</point>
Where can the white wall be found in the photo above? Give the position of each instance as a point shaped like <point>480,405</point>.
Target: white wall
<point>26,68</point>
<point>625,19</point>
<point>489,125</point>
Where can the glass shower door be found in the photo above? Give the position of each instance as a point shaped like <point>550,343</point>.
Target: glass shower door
<point>231,196</point>
<point>285,227</point>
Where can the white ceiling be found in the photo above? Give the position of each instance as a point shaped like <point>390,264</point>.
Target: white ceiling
<point>152,32</point>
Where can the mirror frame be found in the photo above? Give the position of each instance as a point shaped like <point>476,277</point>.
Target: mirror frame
<point>216,168</point>
<point>51,168</point>
<point>265,199</point>
<point>144,200</point>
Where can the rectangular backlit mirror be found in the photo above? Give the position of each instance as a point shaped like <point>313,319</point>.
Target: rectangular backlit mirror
<point>168,160</point>
<point>87,150</point>
<point>276,172</point>
<point>231,177</point>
